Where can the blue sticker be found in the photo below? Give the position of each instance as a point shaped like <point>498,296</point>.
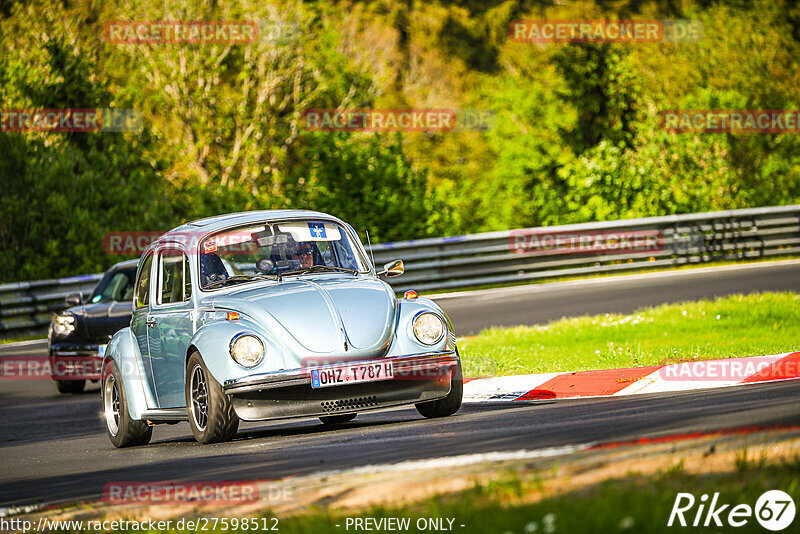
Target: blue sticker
<point>314,379</point>
<point>317,230</point>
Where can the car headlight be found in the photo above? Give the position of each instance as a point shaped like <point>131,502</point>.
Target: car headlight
<point>247,350</point>
<point>428,328</point>
<point>64,325</point>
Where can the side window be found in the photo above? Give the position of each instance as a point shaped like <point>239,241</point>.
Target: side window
<point>143,283</point>
<point>175,283</point>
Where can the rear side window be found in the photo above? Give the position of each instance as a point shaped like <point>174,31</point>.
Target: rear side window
<point>175,284</point>
<point>143,283</point>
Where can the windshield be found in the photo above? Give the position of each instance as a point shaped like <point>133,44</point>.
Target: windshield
<point>274,250</point>
<point>115,286</point>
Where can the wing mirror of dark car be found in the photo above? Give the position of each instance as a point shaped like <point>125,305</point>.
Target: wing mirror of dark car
<point>393,268</point>
<point>73,299</point>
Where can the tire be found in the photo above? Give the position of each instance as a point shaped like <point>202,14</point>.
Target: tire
<point>70,386</point>
<point>210,410</point>
<point>330,420</point>
<point>121,429</point>
<point>448,405</point>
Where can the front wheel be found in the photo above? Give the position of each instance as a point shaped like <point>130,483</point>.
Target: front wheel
<point>122,430</point>
<point>70,386</point>
<point>451,403</point>
<point>211,413</point>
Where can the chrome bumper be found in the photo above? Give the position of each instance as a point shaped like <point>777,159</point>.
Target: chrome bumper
<point>404,366</point>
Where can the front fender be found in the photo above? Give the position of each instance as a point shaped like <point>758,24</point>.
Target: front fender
<point>404,340</point>
<point>124,351</point>
<point>213,341</point>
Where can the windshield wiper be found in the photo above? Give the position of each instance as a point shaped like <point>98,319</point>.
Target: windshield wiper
<point>321,269</point>
<point>242,278</point>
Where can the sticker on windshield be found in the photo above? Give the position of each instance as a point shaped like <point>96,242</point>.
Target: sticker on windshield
<point>317,230</point>
<point>312,231</point>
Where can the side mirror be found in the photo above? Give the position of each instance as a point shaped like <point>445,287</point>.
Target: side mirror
<point>393,268</point>
<point>73,299</point>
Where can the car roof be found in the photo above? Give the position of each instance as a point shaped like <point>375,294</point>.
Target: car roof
<point>127,264</point>
<point>194,231</point>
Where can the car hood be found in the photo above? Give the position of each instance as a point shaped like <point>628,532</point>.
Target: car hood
<point>98,322</point>
<point>348,317</point>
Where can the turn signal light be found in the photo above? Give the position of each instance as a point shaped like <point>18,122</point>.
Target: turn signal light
<point>411,295</point>
<point>233,316</point>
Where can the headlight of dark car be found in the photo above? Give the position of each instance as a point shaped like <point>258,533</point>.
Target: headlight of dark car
<point>63,325</point>
<point>428,328</point>
<point>247,350</point>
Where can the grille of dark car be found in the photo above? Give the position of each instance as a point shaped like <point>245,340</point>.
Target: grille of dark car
<point>349,404</point>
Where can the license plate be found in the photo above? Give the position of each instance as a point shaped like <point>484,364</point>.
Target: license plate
<point>351,374</point>
<point>101,350</point>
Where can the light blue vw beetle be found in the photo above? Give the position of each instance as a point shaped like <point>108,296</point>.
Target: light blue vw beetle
<point>268,315</point>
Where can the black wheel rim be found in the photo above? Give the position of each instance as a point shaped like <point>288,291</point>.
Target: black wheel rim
<point>199,398</point>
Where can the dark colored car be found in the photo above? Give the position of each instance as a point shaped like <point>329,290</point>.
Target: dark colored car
<point>79,334</point>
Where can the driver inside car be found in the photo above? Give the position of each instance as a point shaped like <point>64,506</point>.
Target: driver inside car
<point>305,255</point>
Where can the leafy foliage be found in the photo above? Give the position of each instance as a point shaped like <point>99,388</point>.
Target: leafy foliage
<point>576,133</point>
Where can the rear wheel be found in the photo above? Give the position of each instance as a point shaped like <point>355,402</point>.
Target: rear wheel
<point>122,430</point>
<point>211,413</point>
<point>329,420</point>
<point>70,386</point>
<point>451,403</point>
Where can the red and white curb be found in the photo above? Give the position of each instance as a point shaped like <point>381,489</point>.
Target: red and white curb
<point>636,380</point>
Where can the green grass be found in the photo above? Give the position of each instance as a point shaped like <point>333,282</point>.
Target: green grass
<point>29,337</point>
<point>735,326</point>
<point>632,503</point>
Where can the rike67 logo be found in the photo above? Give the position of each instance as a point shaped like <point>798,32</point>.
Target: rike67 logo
<point>774,510</point>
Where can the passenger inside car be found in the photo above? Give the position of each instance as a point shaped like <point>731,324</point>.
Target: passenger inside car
<point>211,269</point>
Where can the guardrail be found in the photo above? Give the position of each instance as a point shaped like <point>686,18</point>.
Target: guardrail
<point>27,307</point>
<point>513,256</point>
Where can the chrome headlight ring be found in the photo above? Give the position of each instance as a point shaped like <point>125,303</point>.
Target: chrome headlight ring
<point>428,328</point>
<point>247,349</point>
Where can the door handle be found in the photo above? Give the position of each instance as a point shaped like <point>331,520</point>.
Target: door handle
<point>150,322</point>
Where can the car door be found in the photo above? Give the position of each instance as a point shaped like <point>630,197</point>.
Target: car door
<point>171,326</point>
<point>140,316</point>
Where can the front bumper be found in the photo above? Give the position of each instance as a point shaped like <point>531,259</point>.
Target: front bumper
<point>75,361</point>
<point>417,378</point>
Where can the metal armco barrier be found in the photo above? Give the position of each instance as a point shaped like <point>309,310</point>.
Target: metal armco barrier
<point>512,256</point>
<point>515,256</point>
<point>28,307</point>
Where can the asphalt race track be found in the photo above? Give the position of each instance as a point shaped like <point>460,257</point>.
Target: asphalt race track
<point>54,448</point>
